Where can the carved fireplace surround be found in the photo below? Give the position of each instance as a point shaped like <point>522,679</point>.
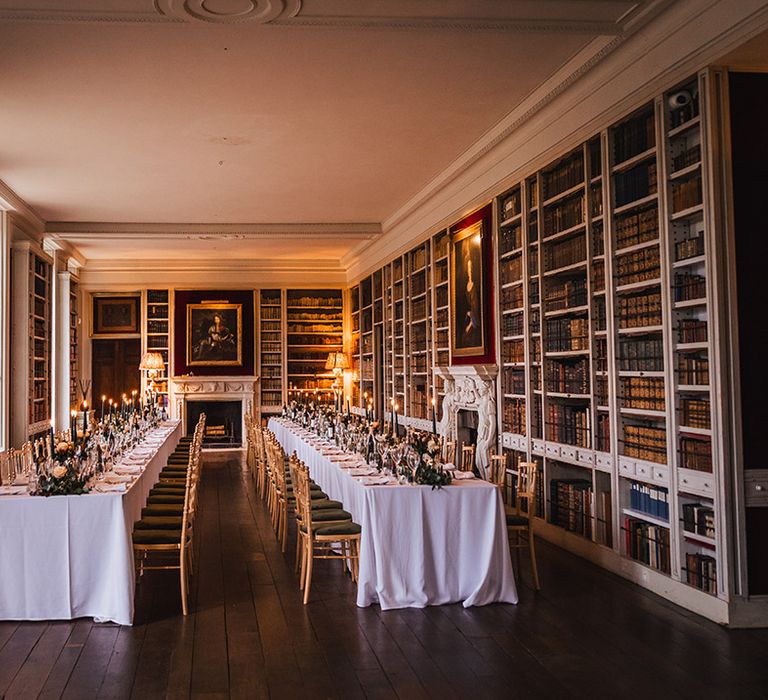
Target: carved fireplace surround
<point>185,389</point>
<point>470,388</point>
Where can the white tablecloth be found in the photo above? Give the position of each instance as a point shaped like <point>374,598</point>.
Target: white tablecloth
<point>65,557</point>
<point>419,546</point>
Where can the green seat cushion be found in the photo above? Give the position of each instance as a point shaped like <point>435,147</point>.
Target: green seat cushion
<point>513,519</point>
<point>327,503</point>
<point>159,522</point>
<point>157,536</point>
<point>341,529</point>
<point>168,488</point>
<point>315,487</point>
<point>162,509</point>
<point>173,474</point>
<point>166,498</point>
<point>317,495</point>
<point>326,515</point>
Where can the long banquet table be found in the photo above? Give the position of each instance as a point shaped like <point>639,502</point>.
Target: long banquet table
<point>65,557</point>
<point>418,546</point>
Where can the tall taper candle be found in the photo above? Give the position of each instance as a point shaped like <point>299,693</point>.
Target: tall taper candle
<point>434,418</point>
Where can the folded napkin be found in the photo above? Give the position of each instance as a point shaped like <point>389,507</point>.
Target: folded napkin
<point>117,479</point>
<point>128,469</point>
<point>110,488</point>
<point>12,490</point>
<point>381,480</point>
<point>461,476</point>
<point>364,471</point>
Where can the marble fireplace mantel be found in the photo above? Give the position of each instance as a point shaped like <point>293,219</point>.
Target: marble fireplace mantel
<point>192,388</point>
<point>470,388</point>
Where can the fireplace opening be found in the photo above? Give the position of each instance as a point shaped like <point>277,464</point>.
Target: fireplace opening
<point>223,422</point>
<point>466,429</point>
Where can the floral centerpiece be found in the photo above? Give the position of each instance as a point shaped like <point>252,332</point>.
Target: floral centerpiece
<point>66,477</point>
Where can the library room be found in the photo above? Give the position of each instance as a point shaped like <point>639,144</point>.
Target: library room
<point>381,349</point>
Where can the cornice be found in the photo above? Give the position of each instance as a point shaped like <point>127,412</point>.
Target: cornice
<point>141,265</point>
<point>10,201</point>
<point>514,16</point>
<point>87,231</point>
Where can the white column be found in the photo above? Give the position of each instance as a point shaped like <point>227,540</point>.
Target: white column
<point>61,371</point>
<point>5,365</point>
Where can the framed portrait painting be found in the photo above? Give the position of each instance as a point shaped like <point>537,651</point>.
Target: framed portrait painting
<point>115,315</point>
<point>214,334</point>
<point>468,292</point>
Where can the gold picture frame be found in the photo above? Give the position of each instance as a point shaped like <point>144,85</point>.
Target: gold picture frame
<point>115,315</point>
<point>214,334</point>
<point>468,292</point>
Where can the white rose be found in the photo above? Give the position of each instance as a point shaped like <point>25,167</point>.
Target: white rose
<point>59,472</point>
<point>62,447</point>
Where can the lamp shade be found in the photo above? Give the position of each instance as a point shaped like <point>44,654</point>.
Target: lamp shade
<point>337,360</point>
<point>152,361</point>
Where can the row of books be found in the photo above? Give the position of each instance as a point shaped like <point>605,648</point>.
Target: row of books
<point>693,369</point>
<point>638,266</point>
<point>644,354</point>
<point>571,505</point>
<point>645,442</point>
<point>653,500</point>
<point>686,194</point>
<point>563,215</point>
<point>271,385</point>
<point>701,570</point>
<point>644,393</point>
<point>634,136</point>
<point>512,297</point>
<point>694,413</point>
<point>600,316</point>
<point>418,282</point>
<point>596,201</point>
<point>315,301</point>
<point>513,351</point>
<point>640,310</point>
<point>636,227</point>
<point>274,371</point>
<point>565,294</point>
<point>603,437</point>
<point>692,330</point>
<point>511,269</point>
<point>598,238</point>
<point>568,377</point>
<point>304,316</point>
<point>568,424</point>
<point>510,238</point>
<point>272,312</point>
<point>565,252</point>
<point>271,347</point>
<point>301,339</point>
<point>686,157</point>
<point>568,173</point>
<point>511,205</point>
<point>566,334</point>
<point>313,328</point>
<point>418,258</point>
<point>636,183</point>
<point>601,390</point>
<point>513,324</point>
<point>513,416</point>
<point>691,247</point>
<point>647,543</point>
<point>513,381</point>
<point>419,309</point>
<point>689,286</point>
<point>699,519</point>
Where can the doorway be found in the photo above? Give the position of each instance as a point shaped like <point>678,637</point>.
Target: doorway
<point>115,367</point>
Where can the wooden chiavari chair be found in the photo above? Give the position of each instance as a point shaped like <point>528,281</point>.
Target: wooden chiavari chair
<point>319,538</point>
<point>467,458</point>
<point>519,519</point>
<point>449,452</point>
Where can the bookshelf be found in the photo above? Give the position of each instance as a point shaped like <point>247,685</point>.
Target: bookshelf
<point>314,328</point>
<point>40,333</point>
<point>74,333</point>
<point>271,350</point>
<point>606,328</point>
<point>366,354</point>
<point>157,334</point>
<point>354,345</point>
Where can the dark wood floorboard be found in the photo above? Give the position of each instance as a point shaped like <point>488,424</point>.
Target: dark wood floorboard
<point>587,633</point>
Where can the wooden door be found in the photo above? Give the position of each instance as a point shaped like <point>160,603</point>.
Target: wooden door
<point>115,366</point>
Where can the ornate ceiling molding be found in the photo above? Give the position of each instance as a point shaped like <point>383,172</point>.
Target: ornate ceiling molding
<point>82,231</point>
<point>608,17</point>
<point>223,265</point>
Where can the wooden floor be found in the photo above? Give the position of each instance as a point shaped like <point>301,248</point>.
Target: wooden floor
<point>587,633</point>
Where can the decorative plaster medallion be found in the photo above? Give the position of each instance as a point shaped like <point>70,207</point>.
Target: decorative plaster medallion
<point>229,11</point>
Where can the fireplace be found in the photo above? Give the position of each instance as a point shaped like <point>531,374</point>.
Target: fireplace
<point>469,409</point>
<point>223,422</point>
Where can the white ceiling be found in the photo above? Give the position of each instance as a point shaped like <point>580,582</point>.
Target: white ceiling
<point>321,111</point>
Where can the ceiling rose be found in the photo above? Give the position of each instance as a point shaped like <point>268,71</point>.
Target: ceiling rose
<point>230,11</point>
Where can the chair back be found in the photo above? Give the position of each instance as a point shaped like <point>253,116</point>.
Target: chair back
<point>449,452</point>
<point>467,458</point>
<point>526,486</point>
<point>498,470</point>
<point>301,492</point>
<point>5,467</point>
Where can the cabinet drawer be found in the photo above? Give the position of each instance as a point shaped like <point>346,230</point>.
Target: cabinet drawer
<point>585,457</point>
<point>552,450</point>
<point>698,483</point>
<point>643,471</point>
<point>506,440</point>
<point>660,475</point>
<point>626,467</point>
<point>756,488</point>
<point>538,447</point>
<point>568,453</point>
<point>603,461</point>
